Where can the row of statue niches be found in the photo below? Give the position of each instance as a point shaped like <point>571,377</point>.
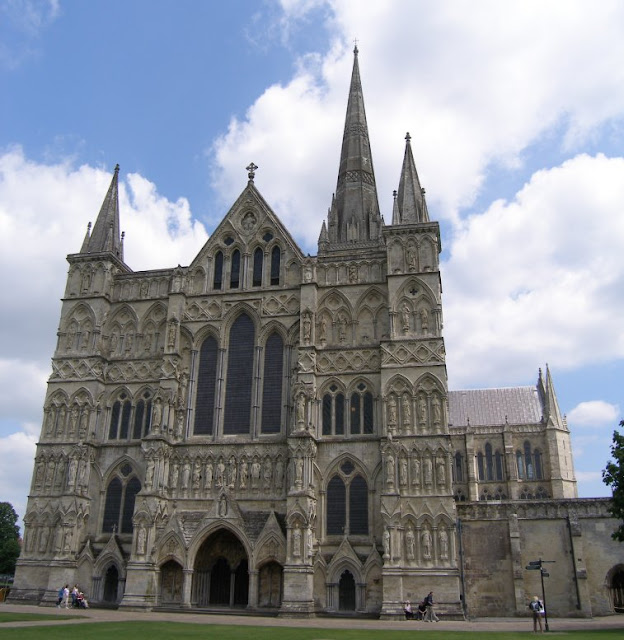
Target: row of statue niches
<point>416,471</point>
<point>198,477</point>
<point>428,409</point>
<point>62,422</point>
<point>58,539</point>
<point>418,545</point>
<point>62,474</point>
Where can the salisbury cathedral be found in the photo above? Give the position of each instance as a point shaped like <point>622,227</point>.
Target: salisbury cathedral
<point>272,431</point>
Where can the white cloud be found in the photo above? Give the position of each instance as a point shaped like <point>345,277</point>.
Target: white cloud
<point>539,278</point>
<point>594,413</point>
<point>44,210</point>
<point>17,454</point>
<point>515,71</point>
<point>21,24</point>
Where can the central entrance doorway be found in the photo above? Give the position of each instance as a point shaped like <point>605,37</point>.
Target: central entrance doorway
<point>221,572</point>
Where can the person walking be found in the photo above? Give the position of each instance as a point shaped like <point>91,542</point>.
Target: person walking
<point>66,596</point>
<point>537,610</point>
<point>430,614</point>
<point>60,594</point>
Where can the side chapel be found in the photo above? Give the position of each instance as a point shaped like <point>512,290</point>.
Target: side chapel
<point>267,430</point>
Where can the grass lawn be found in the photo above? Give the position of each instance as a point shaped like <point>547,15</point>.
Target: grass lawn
<point>26,617</point>
<point>186,631</point>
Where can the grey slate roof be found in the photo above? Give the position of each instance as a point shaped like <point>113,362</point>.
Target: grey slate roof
<point>489,407</point>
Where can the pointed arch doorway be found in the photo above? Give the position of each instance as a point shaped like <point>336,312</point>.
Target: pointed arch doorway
<point>221,572</point>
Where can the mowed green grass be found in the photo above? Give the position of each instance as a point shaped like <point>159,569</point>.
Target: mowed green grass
<point>188,631</point>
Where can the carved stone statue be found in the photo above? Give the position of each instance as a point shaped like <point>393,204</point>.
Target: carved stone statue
<point>410,541</point>
<point>424,320</point>
<point>405,317</point>
<point>426,543</point>
<point>444,545</point>
<point>298,472</point>
<point>386,544</point>
<point>390,470</point>
<point>403,472</point>
<point>437,410</point>
<point>406,407</point>
<point>441,473</point>
<point>392,410</point>
<point>428,471</point>
<point>307,327</point>
<point>422,410</point>
<point>297,541</point>
<point>300,409</point>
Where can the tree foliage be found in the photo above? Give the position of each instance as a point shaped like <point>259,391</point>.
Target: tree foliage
<point>9,538</point>
<point>613,476</point>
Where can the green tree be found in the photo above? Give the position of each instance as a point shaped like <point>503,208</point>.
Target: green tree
<point>9,538</point>
<point>613,476</point>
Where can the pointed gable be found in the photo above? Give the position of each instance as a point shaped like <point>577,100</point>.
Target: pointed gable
<point>249,223</point>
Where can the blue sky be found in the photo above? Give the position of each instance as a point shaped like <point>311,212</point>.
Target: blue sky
<point>516,113</point>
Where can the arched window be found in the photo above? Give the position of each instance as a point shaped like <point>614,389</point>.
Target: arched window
<point>206,382</point>
<point>237,414</point>
<point>347,502</point>
<point>120,499</point>
<point>142,416</point>
<point>489,462</point>
<point>539,471</point>
<point>480,466</point>
<point>336,506</point>
<point>333,412</point>
<point>112,506</point>
<point>498,465</point>
<point>235,270</point>
<point>361,411</point>
<point>358,506</point>
<point>520,464</point>
<point>528,461</point>
<point>272,384</point>
<point>458,468</point>
<point>257,267</point>
<point>276,259</point>
<point>132,488</point>
<point>217,279</point>
<point>120,418</point>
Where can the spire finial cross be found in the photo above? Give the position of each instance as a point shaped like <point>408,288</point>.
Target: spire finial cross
<point>251,168</point>
<point>355,47</point>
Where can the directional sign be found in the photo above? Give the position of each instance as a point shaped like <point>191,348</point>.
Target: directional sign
<point>546,574</point>
<point>532,568</point>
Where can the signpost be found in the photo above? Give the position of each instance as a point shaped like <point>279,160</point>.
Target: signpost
<point>536,565</point>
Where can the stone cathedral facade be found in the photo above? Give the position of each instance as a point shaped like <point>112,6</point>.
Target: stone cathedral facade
<point>267,430</point>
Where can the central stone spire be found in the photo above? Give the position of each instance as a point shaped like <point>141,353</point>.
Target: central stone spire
<point>354,213</point>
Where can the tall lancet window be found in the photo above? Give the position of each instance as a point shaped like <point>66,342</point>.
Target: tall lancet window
<point>217,277</point>
<point>258,261</point>
<point>240,367</point>
<point>206,381</point>
<point>235,270</point>
<point>276,259</point>
<point>272,384</point>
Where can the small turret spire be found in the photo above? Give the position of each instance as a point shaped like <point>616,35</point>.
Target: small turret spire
<point>411,197</point>
<point>105,236</point>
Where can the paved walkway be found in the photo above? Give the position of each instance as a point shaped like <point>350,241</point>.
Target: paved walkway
<point>480,624</point>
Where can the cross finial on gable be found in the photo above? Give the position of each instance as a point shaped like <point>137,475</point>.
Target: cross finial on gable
<point>251,168</point>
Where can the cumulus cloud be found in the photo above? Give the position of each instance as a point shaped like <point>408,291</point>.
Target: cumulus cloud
<point>16,465</point>
<point>539,277</point>
<point>594,413</point>
<point>516,71</point>
<point>44,211</point>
